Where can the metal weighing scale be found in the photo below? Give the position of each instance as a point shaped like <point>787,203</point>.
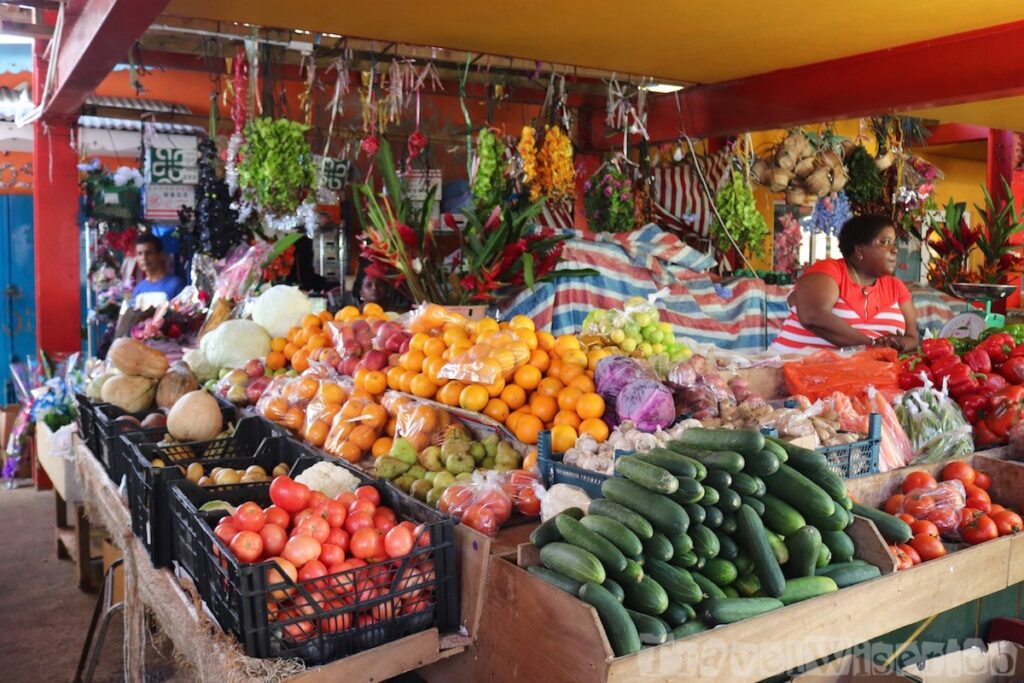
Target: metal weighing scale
<point>971,323</point>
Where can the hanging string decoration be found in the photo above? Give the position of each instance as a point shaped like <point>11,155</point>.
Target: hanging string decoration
<point>608,201</point>
<point>370,142</point>
<point>830,213</point>
<point>239,116</point>
<point>401,84</point>
<point>306,97</point>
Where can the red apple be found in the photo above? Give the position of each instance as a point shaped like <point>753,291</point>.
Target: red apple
<point>349,366</point>
<point>254,368</point>
<point>330,357</point>
<point>352,347</point>
<point>405,346</point>
<point>375,360</point>
<point>394,360</point>
<point>255,390</point>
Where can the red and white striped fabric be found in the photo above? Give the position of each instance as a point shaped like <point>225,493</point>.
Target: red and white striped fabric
<point>556,216</point>
<point>679,199</point>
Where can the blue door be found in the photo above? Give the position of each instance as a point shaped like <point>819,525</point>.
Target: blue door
<point>17,282</point>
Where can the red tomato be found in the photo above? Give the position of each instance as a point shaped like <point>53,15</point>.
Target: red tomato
<point>276,515</point>
<point>249,517</point>
<point>362,505</point>
<point>274,538</point>
<point>314,526</point>
<point>944,519</point>
<point>383,611</point>
<point>398,542</point>
<point>345,498</point>
<point>367,543</point>
<point>927,546</point>
<point>1007,522</point>
<point>902,559</point>
<point>528,503</point>
<point>409,583</point>
<point>979,530</point>
<point>499,504</point>
<point>894,504</point>
<point>333,511</point>
<point>978,498</point>
<point>301,549</point>
<point>358,521</point>
<point>386,512</point>
<point>909,519</point>
<point>422,534</point>
<point>982,480</point>
<point>336,623</point>
<point>918,480</point>
<point>911,553</point>
<point>994,508</point>
<point>415,605</point>
<point>960,470</point>
<point>455,498</point>
<point>247,546</point>
<point>288,494</point>
<point>300,517</point>
<point>226,530</point>
<point>275,577</point>
<point>312,570</point>
<point>924,527</point>
<point>331,554</point>
<point>918,507</point>
<point>481,518</point>
<point>315,498</point>
<point>369,493</point>
<point>339,537</point>
<point>301,627</point>
<point>384,523</point>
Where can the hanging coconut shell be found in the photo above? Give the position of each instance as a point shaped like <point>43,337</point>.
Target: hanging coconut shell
<point>796,195</point>
<point>832,160</point>
<point>819,182</point>
<point>758,171</point>
<point>805,149</point>
<point>785,159</point>
<point>778,179</point>
<point>848,147</point>
<point>793,142</point>
<point>804,167</point>
<point>885,161</point>
<point>839,179</point>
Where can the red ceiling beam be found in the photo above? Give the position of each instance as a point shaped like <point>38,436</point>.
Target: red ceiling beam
<point>953,133</point>
<point>977,65</point>
<point>97,35</point>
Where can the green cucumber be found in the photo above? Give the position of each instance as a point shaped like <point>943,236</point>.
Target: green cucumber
<point>830,482</point>
<point>728,522</point>
<point>690,491</point>
<point>722,572</point>
<point>700,564</point>
<point>762,464</point>
<point>717,479</point>
<point>709,498</point>
<point>804,546</point>
<point>677,464</point>
<point>665,515</point>
<point>837,521</point>
<point>775,449</point>
<point>707,587</point>
<point>824,571</point>
<point>731,592</point>
<point>678,583</point>
<point>727,548</point>
<point>848,574</point>
<point>705,542</point>
<point>681,543</point>
<point>614,588</point>
<point>824,557</point>
<point>747,484</point>
<point>840,543</point>
<point>730,610</point>
<point>633,573</point>
<point>800,458</point>
<point>742,441</point>
<point>547,532</point>
<point>729,461</point>
<point>800,492</point>
<point>744,563</point>
<point>753,537</point>
<point>676,614</point>
<point>696,512</point>
<point>685,560</point>
<point>780,516</point>
<point>728,501</point>
<point>648,596</point>
<point>755,503</point>
<point>688,629</point>
<point>778,544</point>
<point>623,515</point>
<point>616,532</point>
<point>652,630</point>
<point>893,529</point>
<point>659,547</point>
<point>713,517</point>
<point>618,626</point>
<point>747,585</point>
<point>651,477</point>
<point>806,587</point>
<point>555,579</point>
<point>575,563</point>
<point>580,536</point>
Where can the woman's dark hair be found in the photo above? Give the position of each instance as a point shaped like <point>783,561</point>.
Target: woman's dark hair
<point>149,238</point>
<point>861,230</point>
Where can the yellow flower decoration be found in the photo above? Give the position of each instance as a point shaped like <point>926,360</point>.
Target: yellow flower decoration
<point>556,174</point>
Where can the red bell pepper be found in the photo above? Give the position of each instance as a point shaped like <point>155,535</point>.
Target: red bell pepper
<point>983,436</point>
<point>993,383</point>
<point>1002,419</point>
<point>945,365</point>
<point>1011,395</point>
<point>962,382</point>
<point>934,349</point>
<point>978,361</point>
<point>915,372</point>
<point>973,405</point>
<point>998,347</point>
<point>1013,370</point>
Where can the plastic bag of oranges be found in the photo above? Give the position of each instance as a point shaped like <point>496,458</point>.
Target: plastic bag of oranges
<point>356,427</point>
<point>320,411</point>
<point>428,317</point>
<point>495,356</point>
<point>419,422</point>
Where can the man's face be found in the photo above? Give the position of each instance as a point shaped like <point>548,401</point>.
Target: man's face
<point>149,258</point>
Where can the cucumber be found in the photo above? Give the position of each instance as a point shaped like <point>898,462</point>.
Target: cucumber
<point>730,461</point>
<point>747,585</point>
<point>614,588</point>
<point>753,537</point>
<point>555,579</point>
<point>718,479</point>
<point>744,563</point>
<point>780,516</point>
<point>677,464</point>
<point>705,543</point>
<point>710,497</point>
<point>681,544</point>
<point>580,536</point>
<point>804,547</point>
<point>688,629</point>
<point>651,477</point>
<point>731,610</point>
<point>840,544</point>
<point>700,564</point>
<point>547,532</point>
<point>731,592</point>
<point>778,545</point>
<point>691,613</point>
<point>633,573</point>
<point>775,449</point>
<point>800,492</point>
<point>675,615</point>
<point>761,464</point>
<point>648,596</point>
<point>837,521</point>
<point>800,458</point>
<point>614,531</point>
<point>742,441</point>
<point>623,515</point>
<point>652,630</point>
<point>824,571</point>
<point>665,515</point>
<point>690,491</point>
<point>806,587</point>
<point>575,563</point>
<point>892,528</point>
<point>747,484</point>
<point>728,522</point>
<point>678,583</point>
<point>849,574</point>
<point>620,629</point>
<point>685,560</point>
<point>707,586</point>
<point>696,512</point>
<point>659,547</point>
<point>755,503</point>
<point>713,517</point>
<point>728,501</point>
<point>830,482</point>
<point>824,557</point>
<point>721,572</point>
<point>727,548</point>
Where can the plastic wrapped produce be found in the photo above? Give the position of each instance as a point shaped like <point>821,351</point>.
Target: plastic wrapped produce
<point>934,424</point>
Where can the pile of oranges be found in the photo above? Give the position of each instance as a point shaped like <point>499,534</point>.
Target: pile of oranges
<point>312,338</point>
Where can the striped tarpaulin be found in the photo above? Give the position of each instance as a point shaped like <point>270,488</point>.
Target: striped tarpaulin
<point>679,199</point>
<point>556,217</point>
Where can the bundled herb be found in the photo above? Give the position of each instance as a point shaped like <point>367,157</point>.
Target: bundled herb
<point>736,205</point>
<point>865,187</point>
<point>489,179</point>
<point>277,165</point>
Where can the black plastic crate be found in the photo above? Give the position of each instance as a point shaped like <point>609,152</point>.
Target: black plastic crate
<point>254,442</point>
<point>249,605</point>
<point>85,415</point>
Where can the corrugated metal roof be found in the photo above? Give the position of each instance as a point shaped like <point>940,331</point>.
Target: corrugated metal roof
<point>137,104</point>
<point>107,123</point>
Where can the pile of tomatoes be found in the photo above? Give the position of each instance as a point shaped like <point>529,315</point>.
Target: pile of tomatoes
<point>958,507</point>
<point>346,553</point>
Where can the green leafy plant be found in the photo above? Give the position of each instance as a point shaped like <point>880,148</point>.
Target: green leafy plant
<point>489,179</point>
<point>736,205</point>
<point>276,166</point>
<point>865,186</point>
<point>608,201</point>
<point>1001,223</point>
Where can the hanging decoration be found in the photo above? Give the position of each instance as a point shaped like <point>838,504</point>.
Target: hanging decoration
<point>417,141</point>
<point>239,116</point>
<point>608,201</point>
<point>370,142</point>
<point>308,66</point>
<point>488,179</point>
<point>744,224</point>
<point>556,174</point>
<point>527,149</point>
<point>213,225</point>
<point>830,213</point>
<point>786,244</point>
<point>802,169</point>
<point>866,189</point>
<point>402,76</point>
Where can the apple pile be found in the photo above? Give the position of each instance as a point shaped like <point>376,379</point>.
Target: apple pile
<point>243,386</point>
<point>371,344</point>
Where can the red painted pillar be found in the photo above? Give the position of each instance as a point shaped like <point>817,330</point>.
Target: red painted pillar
<point>55,207</point>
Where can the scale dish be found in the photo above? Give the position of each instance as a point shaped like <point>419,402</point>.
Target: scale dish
<point>980,292</point>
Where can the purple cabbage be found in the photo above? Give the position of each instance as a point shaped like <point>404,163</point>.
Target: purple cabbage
<point>615,372</point>
<point>648,403</point>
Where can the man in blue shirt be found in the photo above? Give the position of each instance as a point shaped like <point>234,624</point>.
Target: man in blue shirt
<point>158,286</point>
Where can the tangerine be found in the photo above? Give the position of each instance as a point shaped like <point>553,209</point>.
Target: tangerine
<point>449,393</point>
<point>332,393</point>
<point>391,427</point>
<point>530,461</point>
<point>497,410</point>
<point>293,332</point>
<point>596,428</point>
<point>316,433</point>
<point>412,360</point>
<point>522,321</point>
<point>528,427</point>
<point>359,377</point>
<point>300,361</point>
<point>550,386</point>
<point>514,396</point>
<point>363,437</point>
<point>589,406</point>
<point>513,419</point>
<point>424,418</point>
<point>495,388</point>
<point>474,397</point>
<point>418,341</point>
<point>528,377</point>
<point>584,383</point>
<point>276,360</point>
<point>381,447</point>
<point>278,343</point>
<point>311,320</point>
<point>317,341</point>
<point>307,388</point>
<point>543,407</point>
<point>434,346</point>
<point>325,316</point>
<point>350,452</point>
<point>545,341</point>
<point>375,417</point>
<point>567,417</point>
<point>394,377</point>
<point>575,357</point>
<point>563,437</point>
<point>407,378</point>
<point>540,359</point>
<point>555,366</point>
<point>373,309</point>
<point>375,382</point>
<point>568,397</point>
<point>569,372</point>
<point>422,386</point>
<point>347,313</point>
<point>289,350</point>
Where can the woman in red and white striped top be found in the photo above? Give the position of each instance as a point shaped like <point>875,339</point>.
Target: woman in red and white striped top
<point>853,301</point>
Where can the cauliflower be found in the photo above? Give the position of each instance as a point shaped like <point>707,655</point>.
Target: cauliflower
<point>280,308</point>
<point>562,497</point>
<point>329,479</point>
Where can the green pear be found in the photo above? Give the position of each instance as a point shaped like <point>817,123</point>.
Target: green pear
<point>403,450</point>
<point>391,468</point>
<point>478,451</point>
<point>430,458</point>
<point>434,495</point>
<point>454,447</point>
<point>417,471</point>
<point>430,475</point>
<point>457,463</point>
<point>464,477</point>
<point>503,468</point>
<point>488,463</point>
<point>443,480</point>
<point>404,482</point>
<point>457,433</point>
<point>509,460</point>
<point>490,445</point>
<point>506,448</point>
<point>420,488</point>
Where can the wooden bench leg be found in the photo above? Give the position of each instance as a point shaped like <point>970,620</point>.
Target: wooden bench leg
<point>62,523</point>
<point>83,565</point>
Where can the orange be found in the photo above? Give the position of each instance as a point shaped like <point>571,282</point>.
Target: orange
<point>373,309</point>
<point>431,366</point>
<point>449,393</point>
<point>289,350</point>
<point>293,333</point>
<point>325,315</point>
<point>497,410</point>
<point>434,346</point>
<point>474,397</point>
<point>317,341</point>
<point>294,419</point>
<point>528,377</point>
<point>375,382</point>
<point>363,395</point>
<point>275,409</point>
<point>584,383</point>
<point>596,428</point>
<point>359,377</point>
<point>595,355</point>
<point>332,393</point>
<point>422,386</point>
<point>530,461</point>
<point>569,372</point>
<point>527,429</point>
<point>543,407</point>
<point>349,451</point>
<point>311,320</point>
<point>300,361</point>
<point>522,321</point>
<point>566,342</point>
<point>512,421</point>
<point>568,397</point>
<point>347,313</point>
<point>363,436</point>
<point>307,388</point>
<point>528,336</point>
<point>590,406</point>
<point>381,446</point>
<point>575,357</point>
<point>545,341</point>
<point>554,367</point>
<point>391,427</point>
<point>326,412</point>
<point>316,433</point>
<point>407,378</point>
<point>278,343</point>
<point>375,416</point>
<point>549,386</point>
<point>494,390</point>
<point>540,359</point>
<point>276,360</point>
<point>412,360</point>
<point>514,396</point>
<point>454,334</point>
<point>417,342</point>
<point>563,437</point>
<point>567,417</point>
<point>394,376</point>
<point>423,419</point>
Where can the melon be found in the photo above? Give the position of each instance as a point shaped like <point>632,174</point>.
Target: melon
<point>130,393</point>
<point>132,357</point>
<point>195,417</point>
<point>178,381</point>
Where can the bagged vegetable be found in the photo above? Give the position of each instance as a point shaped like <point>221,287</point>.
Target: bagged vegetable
<point>484,503</point>
<point>827,372</point>
<point>895,450</point>
<point>648,403</point>
<point>934,424</point>
<point>700,388</point>
<point>942,506</point>
<point>561,497</point>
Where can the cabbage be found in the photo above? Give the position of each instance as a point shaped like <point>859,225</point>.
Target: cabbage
<point>615,372</point>
<point>648,403</point>
<point>281,308</point>
<point>234,342</point>
<point>200,365</point>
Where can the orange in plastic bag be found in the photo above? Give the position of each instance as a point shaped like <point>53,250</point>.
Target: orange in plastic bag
<point>826,372</point>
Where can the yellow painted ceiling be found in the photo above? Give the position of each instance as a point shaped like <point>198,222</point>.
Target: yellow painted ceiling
<point>701,41</point>
<point>1006,113</point>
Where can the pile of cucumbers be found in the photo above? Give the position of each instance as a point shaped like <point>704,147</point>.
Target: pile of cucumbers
<point>718,526</point>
